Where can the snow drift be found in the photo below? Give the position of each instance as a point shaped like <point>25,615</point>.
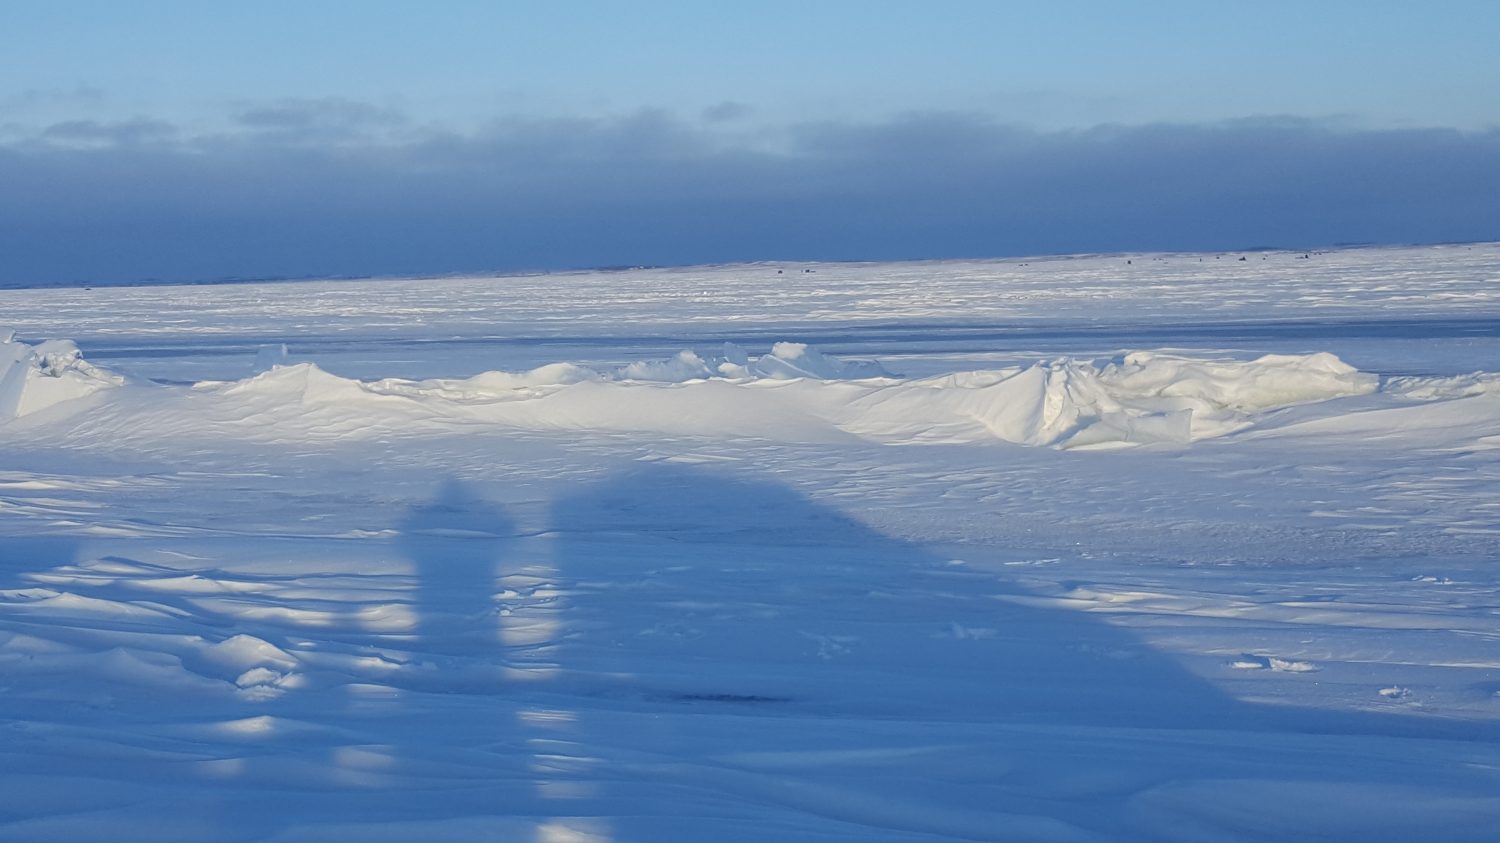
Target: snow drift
<point>798,393</point>
<point>793,393</point>
<point>36,377</point>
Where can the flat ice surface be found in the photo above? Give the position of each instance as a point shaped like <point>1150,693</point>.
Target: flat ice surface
<point>1145,547</point>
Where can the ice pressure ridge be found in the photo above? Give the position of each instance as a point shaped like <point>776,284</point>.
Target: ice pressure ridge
<point>793,393</point>
<point>35,377</point>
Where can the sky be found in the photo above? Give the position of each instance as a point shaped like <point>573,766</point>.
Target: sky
<point>195,141</point>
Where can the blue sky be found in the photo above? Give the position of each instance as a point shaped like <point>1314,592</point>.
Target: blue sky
<point>173,136</point>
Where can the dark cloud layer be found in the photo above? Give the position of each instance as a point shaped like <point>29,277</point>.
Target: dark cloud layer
<point>317,188</point>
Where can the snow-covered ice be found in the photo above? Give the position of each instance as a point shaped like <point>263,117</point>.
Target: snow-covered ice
<point>1186,548</point>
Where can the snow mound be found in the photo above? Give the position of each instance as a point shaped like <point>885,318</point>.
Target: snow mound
<point>793,393</point>
<point>305,383</point>
<point>35,377</point>
<point>685,366</point>
<point>798,393</point>
<point>1143,398</point>
<point>787,361</point>
<point>1275,380</point>
<point>797,360</point>
<point>1169,398</point>
<point>488,386</point>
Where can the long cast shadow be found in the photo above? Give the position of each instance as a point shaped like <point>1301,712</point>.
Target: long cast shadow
<point>711,647</point>
<point>766,597</point>
<point>720,588</point>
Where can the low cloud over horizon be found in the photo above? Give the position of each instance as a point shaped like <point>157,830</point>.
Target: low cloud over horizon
<point>298,188</point>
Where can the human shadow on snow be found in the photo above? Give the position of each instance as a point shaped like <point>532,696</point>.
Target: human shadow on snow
<point>456,542</point>
<point>729,590</point>
<point>714,587</point>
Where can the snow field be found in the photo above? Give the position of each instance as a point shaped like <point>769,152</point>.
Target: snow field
<point>1204,592</point>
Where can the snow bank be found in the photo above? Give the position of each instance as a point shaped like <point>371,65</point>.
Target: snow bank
<point>787,361</point>
<point>35,377</point>
<point>1143,398</point>
<point>1165,397</point>
<point>793,393</point>
<point>797,393</point>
